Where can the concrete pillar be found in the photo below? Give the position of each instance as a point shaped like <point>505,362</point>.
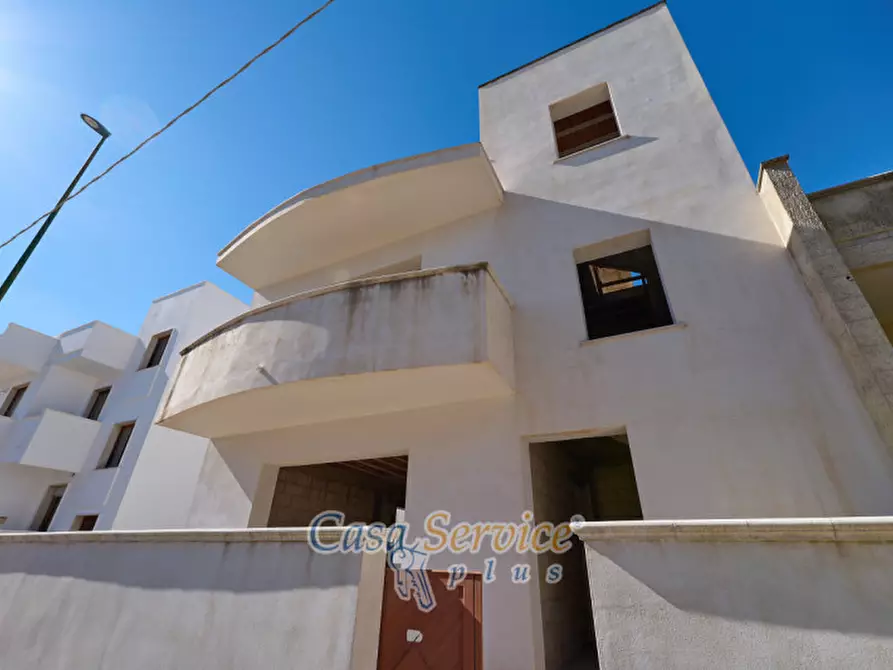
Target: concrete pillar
<point>481,472</point>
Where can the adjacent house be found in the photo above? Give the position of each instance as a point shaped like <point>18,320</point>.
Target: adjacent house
<point>80,408</point>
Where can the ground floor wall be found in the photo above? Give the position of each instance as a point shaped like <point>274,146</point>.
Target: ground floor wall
<point>164,601</point>
<point>465,459</point>
<point>787,594</point>
<point>473,461</point>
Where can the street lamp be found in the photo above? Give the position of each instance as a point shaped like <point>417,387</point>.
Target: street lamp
<point>104,135</point>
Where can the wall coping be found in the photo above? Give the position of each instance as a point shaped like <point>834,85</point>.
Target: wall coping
<point>858,183</point>
<point>327,534</point>
<point>343,286</point>
<point>824,529</point>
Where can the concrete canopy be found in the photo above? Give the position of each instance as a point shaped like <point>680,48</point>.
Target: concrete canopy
<point>362,211</point>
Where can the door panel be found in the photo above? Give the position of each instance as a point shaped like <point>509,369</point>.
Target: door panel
<point>448,637</point>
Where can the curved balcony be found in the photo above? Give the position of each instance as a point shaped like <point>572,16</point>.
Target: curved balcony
<point>369,346</point>
<point>362,211</point>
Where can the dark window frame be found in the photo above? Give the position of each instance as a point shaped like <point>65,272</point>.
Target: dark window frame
<point>97,403</point>
<point>157,349</point>
<point>13,399</point>
<point>118,442</point>
<point>48,508</point>
<point>588,128</point>
<point>85,522</point>
<point>632,302</point>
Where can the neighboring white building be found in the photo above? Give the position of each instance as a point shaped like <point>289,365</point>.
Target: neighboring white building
<point>79,409</point>
<point>591,311</point>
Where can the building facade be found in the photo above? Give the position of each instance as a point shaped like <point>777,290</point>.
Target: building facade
<point>591,311</point>
<point>79,409</point>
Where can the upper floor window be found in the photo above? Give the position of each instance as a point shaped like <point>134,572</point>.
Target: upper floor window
<point>156,349</point>
<point>120,437</point>
<point>13,398</point>
<point>584,120</point>
<point>622,293</point>
<point>48,508</point>
<point>97,402</point>
<point>85,522</point>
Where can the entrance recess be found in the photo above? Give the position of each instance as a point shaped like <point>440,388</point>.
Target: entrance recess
<point>363,490</point>
<point>593,478</point>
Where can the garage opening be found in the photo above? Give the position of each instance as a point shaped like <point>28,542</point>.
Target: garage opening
<point>594,478</point>
<point>365,491</point>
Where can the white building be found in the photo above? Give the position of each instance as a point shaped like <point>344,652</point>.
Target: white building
<point>590,311</point>
<point>79,409</point>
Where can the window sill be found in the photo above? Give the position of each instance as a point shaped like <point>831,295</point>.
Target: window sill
<point>595,147</point>
<point>635,333</point>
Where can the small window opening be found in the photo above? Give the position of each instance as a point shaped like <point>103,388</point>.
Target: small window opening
<point>97,402</point>
<point>121,436</point>
<point>584,120</point>
<point>48,508</point>
<point>13,398</point>
<point>156,349</point>
<point>623,293</point>
<point>85,522</point>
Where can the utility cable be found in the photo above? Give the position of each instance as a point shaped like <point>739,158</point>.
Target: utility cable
<point>170,123</point>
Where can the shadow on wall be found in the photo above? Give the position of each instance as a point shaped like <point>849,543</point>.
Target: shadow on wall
<point>817,586</point>
<point>622,143</point>
<point>183,566</point>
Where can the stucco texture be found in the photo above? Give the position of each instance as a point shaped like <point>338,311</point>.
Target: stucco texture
<point>170,605</point>
<point>762,605</point>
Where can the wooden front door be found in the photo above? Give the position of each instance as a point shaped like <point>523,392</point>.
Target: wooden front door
<point>448,637</point>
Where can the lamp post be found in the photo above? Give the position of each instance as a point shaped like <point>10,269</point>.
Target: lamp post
<point>104,135</point>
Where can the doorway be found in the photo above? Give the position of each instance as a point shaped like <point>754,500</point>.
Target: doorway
<point>594,478</point>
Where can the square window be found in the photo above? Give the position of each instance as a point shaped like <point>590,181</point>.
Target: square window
<point>85,522</point>
<point>156,349</point>
<point>120,437</point>
<point>13,398</point>
<point>622,293</point>
<point>584,120</point>
<point>97,402</point>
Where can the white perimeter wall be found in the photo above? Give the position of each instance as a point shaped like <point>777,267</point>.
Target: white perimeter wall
<point>113,601</point>
<point>701,605</point>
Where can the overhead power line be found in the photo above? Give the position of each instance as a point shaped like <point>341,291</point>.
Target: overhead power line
<point>170,123</point>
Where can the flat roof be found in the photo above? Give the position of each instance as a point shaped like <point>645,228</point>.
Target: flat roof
<point>575,42</point>
<point>859,183</point>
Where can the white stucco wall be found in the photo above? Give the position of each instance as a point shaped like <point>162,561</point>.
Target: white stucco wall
<point>465,458</point>
<point>111,601</point>
<point>22,490</point>
<point>735,597</point>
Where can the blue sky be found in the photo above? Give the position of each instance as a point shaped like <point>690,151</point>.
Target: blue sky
<point>364,83</point>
